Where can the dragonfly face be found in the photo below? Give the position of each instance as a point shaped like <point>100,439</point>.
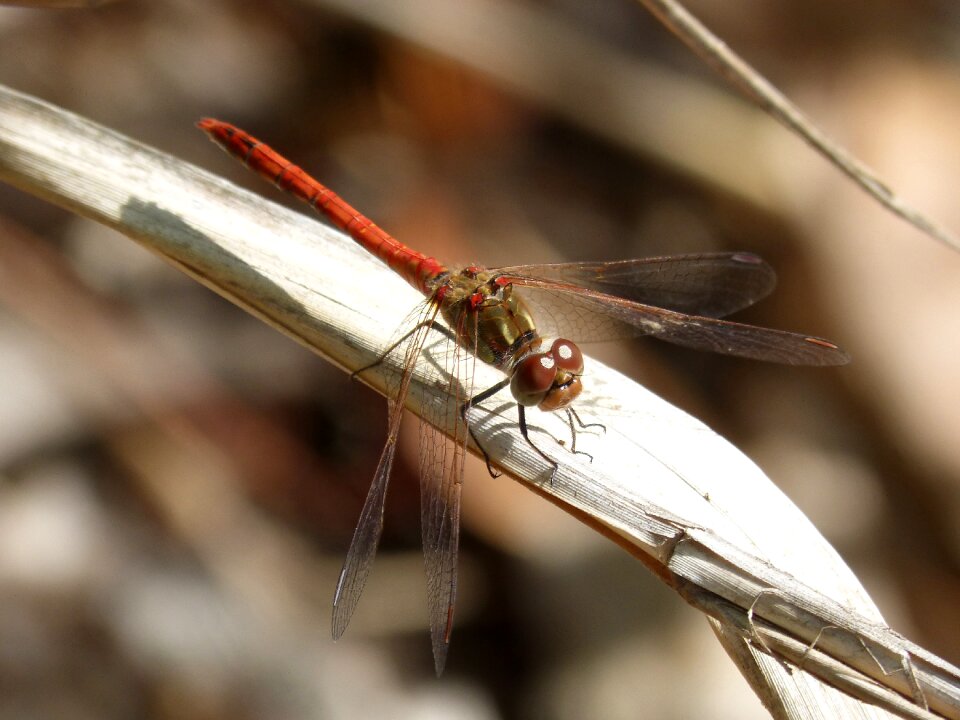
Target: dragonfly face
<point>550,380</point>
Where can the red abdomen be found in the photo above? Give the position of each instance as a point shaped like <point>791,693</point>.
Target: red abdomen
<point>414,267</point>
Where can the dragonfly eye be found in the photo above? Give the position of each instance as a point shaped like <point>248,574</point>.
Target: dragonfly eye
<point>566,383</point>
<point>549,380</point>
<point>532,378</point>
<point>567,356</point>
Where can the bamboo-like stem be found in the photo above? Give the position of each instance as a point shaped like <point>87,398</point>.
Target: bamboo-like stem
<point>682,499</point>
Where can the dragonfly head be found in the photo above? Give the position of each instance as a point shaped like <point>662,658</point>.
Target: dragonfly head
<point>550,380</point>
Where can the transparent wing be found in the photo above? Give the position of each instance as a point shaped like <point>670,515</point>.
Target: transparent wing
<point>711,284</point>
<point>441,481</point>
<point>366,536</point>
<point>585,315</point>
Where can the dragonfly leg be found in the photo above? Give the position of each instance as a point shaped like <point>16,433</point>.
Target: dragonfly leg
<point>573,433</point>
<point>476,400</point>
<point>582,424</point>
<point>406,336</point>
<point>573,416</point>
<point>526,436</point>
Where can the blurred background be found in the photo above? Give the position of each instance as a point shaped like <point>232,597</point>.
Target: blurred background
<point>179,483</point>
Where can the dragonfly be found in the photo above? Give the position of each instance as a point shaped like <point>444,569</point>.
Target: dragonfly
<point>503,317</point>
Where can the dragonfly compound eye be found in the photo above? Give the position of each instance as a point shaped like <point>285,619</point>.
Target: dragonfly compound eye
<point>532,378</point>
<point>566,383</point>
<point>549,380</point>
<point>567,356</point>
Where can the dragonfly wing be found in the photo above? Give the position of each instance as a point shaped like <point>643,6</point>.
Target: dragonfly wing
<point>710,284</point>
<point>366,536</point>
<point>440,524</point>
<point>586,315</point>
<point>441,481</point>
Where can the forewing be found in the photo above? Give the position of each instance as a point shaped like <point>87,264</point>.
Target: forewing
<point>709,284</point>
<point>366,536</point>
<point>586,315</point>
<point>441,481</point>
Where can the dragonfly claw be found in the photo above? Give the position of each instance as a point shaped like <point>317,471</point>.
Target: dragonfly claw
<point>581,452</point>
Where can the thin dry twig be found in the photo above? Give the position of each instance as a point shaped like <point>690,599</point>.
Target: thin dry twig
<point>759,90</point>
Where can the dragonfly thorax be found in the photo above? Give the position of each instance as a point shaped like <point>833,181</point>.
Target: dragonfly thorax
<point>551,379</point>
<point>494,322</point>
<point>487,316</point>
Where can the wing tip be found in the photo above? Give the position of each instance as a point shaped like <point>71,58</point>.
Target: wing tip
<point>832,354</point>
<point>441,648</point>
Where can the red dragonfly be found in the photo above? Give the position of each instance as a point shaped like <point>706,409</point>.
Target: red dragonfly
<point>490,313</point>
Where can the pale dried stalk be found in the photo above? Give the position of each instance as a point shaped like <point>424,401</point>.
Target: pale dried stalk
<point>677,495</point>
